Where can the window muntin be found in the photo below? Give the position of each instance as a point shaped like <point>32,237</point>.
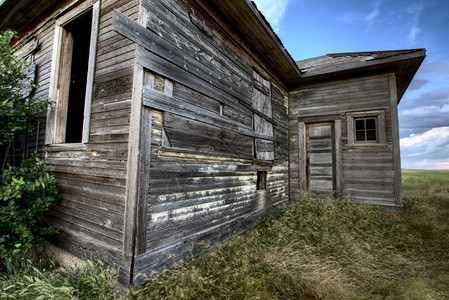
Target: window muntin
<point>366,129</point>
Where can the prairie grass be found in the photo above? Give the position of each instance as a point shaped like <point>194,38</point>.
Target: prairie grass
<point>315,248</point>
<point>24,279</point>
<point>322,248</point>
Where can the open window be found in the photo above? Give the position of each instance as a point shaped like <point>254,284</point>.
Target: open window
<point>365,128</point>
<point>73,69</point>
<point>261,180</point>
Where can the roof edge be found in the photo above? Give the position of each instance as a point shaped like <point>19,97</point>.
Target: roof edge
<point>273,34</point>
<point>368,59</point>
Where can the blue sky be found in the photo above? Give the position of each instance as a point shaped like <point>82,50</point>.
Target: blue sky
<point>311,28</point>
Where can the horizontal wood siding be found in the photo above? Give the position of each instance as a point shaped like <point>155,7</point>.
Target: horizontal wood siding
<point>92,177</point>
<point>367,171</point>
<point>198,92</point>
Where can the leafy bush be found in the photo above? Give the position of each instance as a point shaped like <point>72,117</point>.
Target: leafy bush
<point>27,191</point>
<point>16,112</point>
<point>25,194</point>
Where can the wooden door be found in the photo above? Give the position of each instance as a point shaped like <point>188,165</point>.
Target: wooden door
<point>320,166</point>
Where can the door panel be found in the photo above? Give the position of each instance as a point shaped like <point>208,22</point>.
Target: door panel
<point>320,157</point>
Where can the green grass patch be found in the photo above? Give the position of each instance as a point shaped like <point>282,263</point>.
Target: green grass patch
<point>26,279</point>
<point>316,248</point>
<point>424,175</point>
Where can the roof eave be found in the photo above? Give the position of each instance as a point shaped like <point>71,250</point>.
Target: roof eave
<point>255,29</point>
<point>405,67</point>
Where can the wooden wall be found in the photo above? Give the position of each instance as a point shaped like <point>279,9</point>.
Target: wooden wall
<point>369,172</point>
<point>92,177</point>
<point>205,167</point>
<point>198,137</point>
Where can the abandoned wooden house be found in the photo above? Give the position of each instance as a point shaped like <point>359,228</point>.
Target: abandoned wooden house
<point>177,122</point>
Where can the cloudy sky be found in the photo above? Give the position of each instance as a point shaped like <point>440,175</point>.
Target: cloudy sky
<point>311,28</point>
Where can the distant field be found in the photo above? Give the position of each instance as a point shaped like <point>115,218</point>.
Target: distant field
<point>425,175</point>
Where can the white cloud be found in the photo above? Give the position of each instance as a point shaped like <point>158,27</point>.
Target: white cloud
<point>432,164</point>
<point>371,16</point>
<point>427,111</point>
<point>413,34</point>
<point>274,11</point>
<point>424,111</point>
<point>414,10</point>
<point>429,139</point>
<point>436,69</point>
<point>429,150</point>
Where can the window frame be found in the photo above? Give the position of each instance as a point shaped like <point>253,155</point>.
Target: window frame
<point>378,115</point>
<point>365,130</point>
<point>262,104</point>
<point>56,116</point>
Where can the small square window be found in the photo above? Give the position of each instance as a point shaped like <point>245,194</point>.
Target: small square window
<point>366,130</point>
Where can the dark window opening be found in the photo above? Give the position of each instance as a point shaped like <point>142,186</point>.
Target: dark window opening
<point>80,31</point>
<point>366,130</point>
<point>261,180</point>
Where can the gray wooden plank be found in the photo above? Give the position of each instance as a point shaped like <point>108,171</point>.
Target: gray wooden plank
<point>166,103</point>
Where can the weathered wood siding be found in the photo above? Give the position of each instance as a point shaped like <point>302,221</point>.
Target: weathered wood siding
<point>92,177</point>
<point>367,171</point>
<point>199,135</point>
<point>320,147</point>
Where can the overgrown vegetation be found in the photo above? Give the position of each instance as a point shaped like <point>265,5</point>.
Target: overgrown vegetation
<point>321,248</point>
<point>26,191</point>
<point>16,111</point>
<point>24,280</point>
<point>317,248</point>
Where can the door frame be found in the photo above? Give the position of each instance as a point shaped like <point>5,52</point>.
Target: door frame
<point>337,151</point>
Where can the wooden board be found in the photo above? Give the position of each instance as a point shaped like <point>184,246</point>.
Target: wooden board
<point>320,162</point>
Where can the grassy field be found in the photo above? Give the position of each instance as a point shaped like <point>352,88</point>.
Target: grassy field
<point>320,249</point>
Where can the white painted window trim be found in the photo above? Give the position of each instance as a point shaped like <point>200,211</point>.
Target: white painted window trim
<point>381,129</point>
<point>53,113</point>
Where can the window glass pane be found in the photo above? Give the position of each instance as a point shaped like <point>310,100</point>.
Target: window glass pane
<point>360,136</point>
<point>365,129</point>
<point>359,124</point>
<point>371,135</point>
<point>370,123</point>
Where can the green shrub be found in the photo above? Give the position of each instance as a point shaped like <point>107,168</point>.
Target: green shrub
<point>26,194</point>
<point>16,112</point>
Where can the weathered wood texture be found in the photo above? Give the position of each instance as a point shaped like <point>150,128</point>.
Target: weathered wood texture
<point>92,177</point>
<point>320,150</point>
<point>202,98</point>
<point>366,170</point>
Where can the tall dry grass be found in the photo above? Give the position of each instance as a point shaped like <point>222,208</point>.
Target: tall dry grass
<point>322,248</point>
<point>316,248</point>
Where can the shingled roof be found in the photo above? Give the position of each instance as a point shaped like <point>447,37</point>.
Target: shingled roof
<point>404,63</point>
